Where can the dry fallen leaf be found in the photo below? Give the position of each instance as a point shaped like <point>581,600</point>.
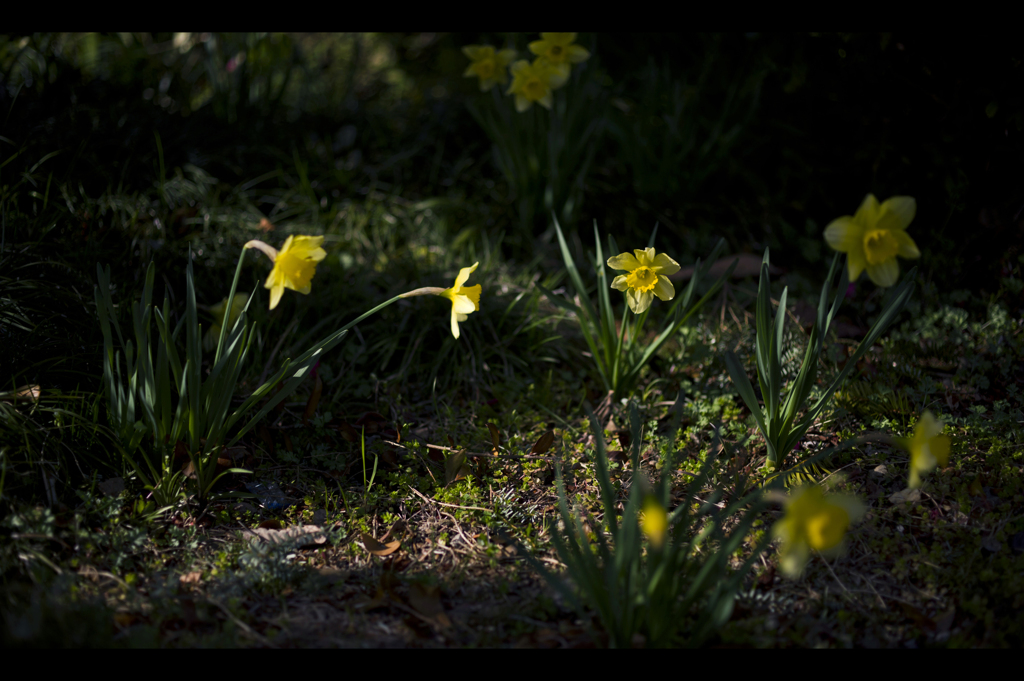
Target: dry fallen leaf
<point>907,496</point>
<point>455,468</point>
<point>305,536</point>
<point>26,393</point>
<point>377,548</point>
<point>426,599</point>
<point>544,443</point>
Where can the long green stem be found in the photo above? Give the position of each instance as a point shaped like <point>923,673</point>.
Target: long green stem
<point>227,310</point>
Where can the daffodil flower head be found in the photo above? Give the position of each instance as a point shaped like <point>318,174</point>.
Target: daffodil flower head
<point>465,299</point>
<point>488,65</point>
<point>218,310</point>
<point>654,521</point>
<point>646,279</point>
<point>874,237</point>
<point>294,264</point>
<point>559,49</point>
<point>928,448</point>
<point>534,83</point>
<point>813,521</point>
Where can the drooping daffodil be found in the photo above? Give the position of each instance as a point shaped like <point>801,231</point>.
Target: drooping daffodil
<point>928,448</point>
<point>559,50</point>
<point>534,83</point>
<point>874,237</point>
<point>465,299</point>
<point>488,65</point>
<point>294,265</point>
<point>218,311</point>
<point>646,279</point>
<point>813,521</point>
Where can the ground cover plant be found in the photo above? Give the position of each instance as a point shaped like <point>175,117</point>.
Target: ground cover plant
<point>546,340</point>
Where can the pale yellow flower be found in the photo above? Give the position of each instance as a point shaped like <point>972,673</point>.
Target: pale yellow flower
<point>218,310</point>
<point>654,521</point>
<point>874,237</point>
<point>488,65</point>
<point>294,264</point>
<point>646,279</point>
<point>813,522</point>
<point>534,83</point>
<point>928,448</point>
<point>559,50</point>
<point>465,299</point>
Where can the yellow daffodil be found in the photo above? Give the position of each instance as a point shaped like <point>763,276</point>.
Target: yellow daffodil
<point>559,51</point>
<point>488,65</point>
<point>294,264</point>
<point>465,299</point>
<point>646,279</point>
<point>928,448</point>
<point>813,522</point>
<point>218,310</point>
<point>534,83</point>
<point>654,521</point>
<point>874,237</point>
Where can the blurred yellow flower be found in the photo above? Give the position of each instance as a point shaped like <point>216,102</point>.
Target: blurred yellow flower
<point>294,264</point>
<point>813,522</point>
<point>218,310</point>
<point>534,83</point>
<point>928,448</point>
<point>654,521</point>
<point>559,50</point>
<point>487,65</point>
<point>874,237</point>
<point>465,299</point>
<point>646,277</point>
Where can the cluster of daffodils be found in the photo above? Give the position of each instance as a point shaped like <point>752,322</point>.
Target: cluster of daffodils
<point>555,53</point>
<point>295,265</point>
<point>814,521</point>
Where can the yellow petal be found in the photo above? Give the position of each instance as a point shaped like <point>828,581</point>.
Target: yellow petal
<point>908,249</point>
<point>897,213</point>
<point>664,288</point>
<point>844,235</point>
<point>455,323</point>
<point>645,256</point>
<point>928,426</point>
<point>639,301</point>
<point>464,275</point>
<point>623,261</point>
<point>546,100</point>
<point>884,273</point>
<point>578,54</point>
<point>619,282</point>
<point>856,261</point>
<point>275,295</point>
<point>463,305</point>
<point>867,214</point>
<point>665,265</point>
<point>522,104</point>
